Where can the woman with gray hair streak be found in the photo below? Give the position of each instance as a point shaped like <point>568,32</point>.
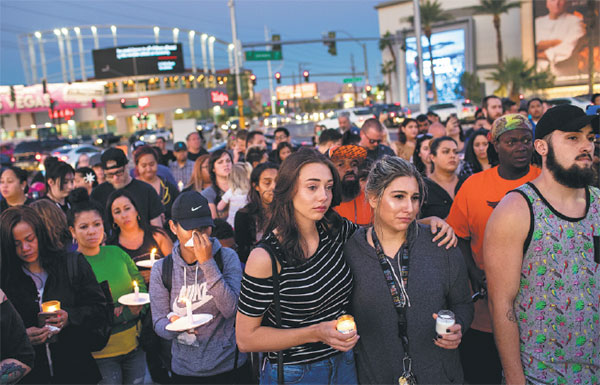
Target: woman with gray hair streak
<point>401,281</point>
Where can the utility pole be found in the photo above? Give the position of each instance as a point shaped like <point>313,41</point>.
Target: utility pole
<point>423,91</point>
<point>236,59</point>
<point>353,69</point>
<point>271,93</point>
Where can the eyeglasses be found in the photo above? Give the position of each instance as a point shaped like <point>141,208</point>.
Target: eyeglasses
<point>280,137</point>
<point>117,173</point>
<point>373,141</point>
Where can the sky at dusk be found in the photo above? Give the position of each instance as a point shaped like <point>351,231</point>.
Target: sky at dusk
<point>293,20</point>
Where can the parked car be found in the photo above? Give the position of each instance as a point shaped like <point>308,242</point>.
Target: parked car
<point>70,153</point>
<point>30,155</point>
<point>464,110</point>
<point>396,113</point>
<point>357,116</point>
<point>105,140</point>
<point>150,136</point>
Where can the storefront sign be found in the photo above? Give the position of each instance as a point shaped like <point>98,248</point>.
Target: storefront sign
<point>219,97</point>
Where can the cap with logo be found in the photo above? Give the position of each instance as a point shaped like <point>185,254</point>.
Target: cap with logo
<point>349,151</point>
<point>507,123</point>
<point>564,117</point>
<point>179,146</point>
<point>113,158</point>
<point>191,211</point>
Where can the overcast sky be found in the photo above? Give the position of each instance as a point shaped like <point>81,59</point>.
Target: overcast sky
<point>291,19</point>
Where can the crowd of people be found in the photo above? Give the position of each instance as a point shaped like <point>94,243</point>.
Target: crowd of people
<point>250,256</point>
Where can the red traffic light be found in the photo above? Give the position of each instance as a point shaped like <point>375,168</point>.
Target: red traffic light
<point>305,73</point>
<point>252,77</point>
<point>278,77</point>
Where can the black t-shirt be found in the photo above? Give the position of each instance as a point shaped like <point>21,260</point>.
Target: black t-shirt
<point>437,201</point>
<point>164,159</point>
<point>146,199</point>
<point>193,156</point>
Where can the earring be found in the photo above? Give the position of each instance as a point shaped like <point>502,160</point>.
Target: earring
<point>114,225</point>
<point>138,218</point>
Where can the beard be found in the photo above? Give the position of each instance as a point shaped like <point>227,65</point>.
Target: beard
<point>572,177</point>
<point>350,188</point>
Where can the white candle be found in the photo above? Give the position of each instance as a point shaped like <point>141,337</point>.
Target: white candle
<point>180,185</point>
<point>50,306</point>
<point>136,290</point>
<point>188,309</point>
<point>345,324</point>
<point>152,254</point>
<point>445,319</point>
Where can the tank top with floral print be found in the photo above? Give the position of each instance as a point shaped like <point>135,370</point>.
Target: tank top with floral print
<point>559,296</point>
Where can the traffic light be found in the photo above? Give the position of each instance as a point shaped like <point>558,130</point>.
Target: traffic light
<point>94,104</point>
<point>123,105</point>
<point>44,86</point>
<point>13,97</point>
<point>253,78</point>
<point>330,42</point>
<point>278,77</point>
<point>368,89</point>
<point>276,47</point>
<point>305,74</point>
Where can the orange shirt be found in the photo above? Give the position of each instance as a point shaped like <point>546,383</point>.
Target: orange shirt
<point>357,211</point>
<point>469,214</point>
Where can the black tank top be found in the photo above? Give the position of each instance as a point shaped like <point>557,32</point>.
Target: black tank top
<point>142,252</point>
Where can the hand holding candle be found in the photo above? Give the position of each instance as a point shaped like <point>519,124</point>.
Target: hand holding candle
<point>345,324</point>
<point>50,306</point>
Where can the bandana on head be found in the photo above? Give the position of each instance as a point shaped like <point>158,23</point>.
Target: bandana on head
<point>349,151</point>
<point>508,123</point>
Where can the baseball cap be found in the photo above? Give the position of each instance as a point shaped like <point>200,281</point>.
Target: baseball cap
<point>113,158</point>
<point>349,151</point>
<point>179,146</point>
<point>507,123</point>
<point>564,117</point>
<point>95,160</point>
<point>191,211</point>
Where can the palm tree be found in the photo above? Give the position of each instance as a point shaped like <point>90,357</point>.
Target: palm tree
<point>471,86</point>
<point>496,8</point>
<point>431,13</point>
<point>514,76</point>
<point>388,69</point>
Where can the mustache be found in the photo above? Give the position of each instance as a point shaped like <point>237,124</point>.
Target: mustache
<point>584,156</point>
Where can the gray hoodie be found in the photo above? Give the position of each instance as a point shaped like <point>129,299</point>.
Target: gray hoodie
<point>212,350</point>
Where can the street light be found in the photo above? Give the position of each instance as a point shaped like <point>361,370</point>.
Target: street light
<point>175,34</point>
<point>156,33</point>
<point>38,34</point>
<point>56,32</point>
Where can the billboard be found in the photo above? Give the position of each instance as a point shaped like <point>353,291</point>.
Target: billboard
<point>561,43</point>
<point>298,91</point>
<point>150,59</point>
<point>449,62</point>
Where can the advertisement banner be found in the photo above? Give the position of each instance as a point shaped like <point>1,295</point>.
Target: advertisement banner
<point>561,42</point>
<point>299,91</point>
<point>64,96</point>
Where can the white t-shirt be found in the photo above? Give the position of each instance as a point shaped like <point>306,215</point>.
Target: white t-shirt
<point>567,27</point>
<point>236,199</point>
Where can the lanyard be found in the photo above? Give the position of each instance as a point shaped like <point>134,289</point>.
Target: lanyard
<point>399,295</point>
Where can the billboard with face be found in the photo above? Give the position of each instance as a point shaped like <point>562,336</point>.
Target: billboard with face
<point>561,38</point>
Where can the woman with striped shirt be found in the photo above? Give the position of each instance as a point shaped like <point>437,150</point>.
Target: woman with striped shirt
<point>306,238</point>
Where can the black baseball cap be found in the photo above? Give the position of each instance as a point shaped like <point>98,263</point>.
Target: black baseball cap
<point>564,117</point>
<point>113,158</point>
<point>179,146</point>
<point>191,211</point>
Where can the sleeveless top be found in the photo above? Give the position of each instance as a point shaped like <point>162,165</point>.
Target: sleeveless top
<point>142,252</point>
<point>559,297</point>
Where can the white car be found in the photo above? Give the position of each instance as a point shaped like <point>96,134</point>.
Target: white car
<point>70,153</point>
<point>464,110</point>
<point>150,136</point>
<point>578,102</point>
<point>357,116</point>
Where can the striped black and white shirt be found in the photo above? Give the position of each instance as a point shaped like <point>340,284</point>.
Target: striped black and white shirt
<point>317,290</point>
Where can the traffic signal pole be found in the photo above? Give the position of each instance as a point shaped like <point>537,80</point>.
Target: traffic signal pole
<point>269,69</point>
<point>236,58</point>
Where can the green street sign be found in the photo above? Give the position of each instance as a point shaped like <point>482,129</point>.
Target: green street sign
<point>263,55</point>
<point>352,80</point>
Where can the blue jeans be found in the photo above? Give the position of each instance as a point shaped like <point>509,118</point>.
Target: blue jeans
<point>128,368</point>
<point>339,369</point>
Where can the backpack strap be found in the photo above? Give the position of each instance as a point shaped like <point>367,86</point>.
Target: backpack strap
<point>72,269</point>
<point>167,272</point>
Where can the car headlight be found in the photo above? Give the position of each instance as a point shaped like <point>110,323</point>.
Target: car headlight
<point>152,137</point>
<point>142,138</point>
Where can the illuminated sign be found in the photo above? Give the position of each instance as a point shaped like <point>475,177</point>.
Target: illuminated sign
<point>219,97</point>
<point>146,59</point>
<point>67,113</point>
<point>33,98</point>
<point>299,91</point>
<point>143,102</point>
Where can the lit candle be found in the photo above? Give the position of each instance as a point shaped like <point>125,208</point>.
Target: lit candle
<point>445,319</point>
<point>188,309</point>
<point>136,290</point>
<point>50,306</point>
<point>345,324</point>
<point>180,185</point>
<point>152,254</point>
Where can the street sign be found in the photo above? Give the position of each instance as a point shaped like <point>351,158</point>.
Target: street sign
<point>263,55</point>
<point>352,80</point>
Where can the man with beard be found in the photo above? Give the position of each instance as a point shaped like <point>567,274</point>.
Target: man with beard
<point>491,106</point>
<point>511,135</point>
<point>354,206</point>
<point>541,253</point>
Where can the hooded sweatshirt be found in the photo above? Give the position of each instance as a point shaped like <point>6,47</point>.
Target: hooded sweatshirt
<point>212,350</point>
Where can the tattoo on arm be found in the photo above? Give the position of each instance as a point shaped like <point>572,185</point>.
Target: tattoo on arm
<point>511,315</point>
<point>12,372</point>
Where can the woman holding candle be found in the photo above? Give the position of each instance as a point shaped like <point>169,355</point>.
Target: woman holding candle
<point>13,187</point>
<point>397,256</point>
<point>146,167</point>
<point>132,233</point>
<point>34,270</point>
<point>121,361</point>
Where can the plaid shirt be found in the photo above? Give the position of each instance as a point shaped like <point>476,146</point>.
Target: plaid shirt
<point>184,173</point>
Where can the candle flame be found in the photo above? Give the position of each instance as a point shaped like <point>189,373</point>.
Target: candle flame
<point>135,284</point>
<point>153,252</point>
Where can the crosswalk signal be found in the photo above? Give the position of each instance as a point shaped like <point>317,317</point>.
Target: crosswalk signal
<point>278,77</point>
<point>305,74</point>
<point>253,79</point>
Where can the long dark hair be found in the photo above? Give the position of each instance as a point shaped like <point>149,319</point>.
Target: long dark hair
<point>56,169</point>
<point>110,220</point>
<point>435,144</point>
<point>282,208</point>
<point>211,170</point>
<point>255,206</point>
<point>422,167</point>
<point>49,254</point>
<point>401,135</point>
<point>470,156</point>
